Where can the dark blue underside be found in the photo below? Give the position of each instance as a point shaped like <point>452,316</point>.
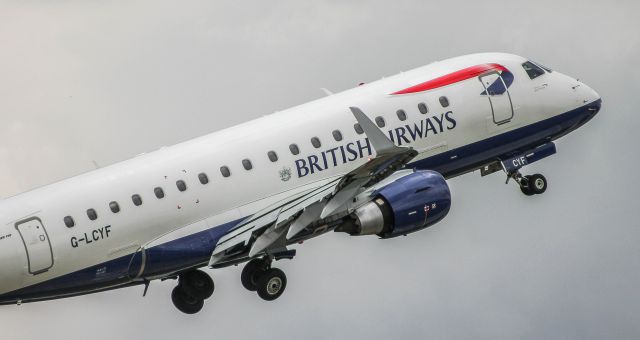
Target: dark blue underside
<point>194,250</point>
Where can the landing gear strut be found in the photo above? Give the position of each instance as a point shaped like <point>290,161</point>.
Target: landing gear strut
<point>257,275</point>
<point>193,288</point>
<point>530,184</point>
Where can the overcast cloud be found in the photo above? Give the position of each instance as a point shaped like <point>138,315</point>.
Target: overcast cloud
<point>84,81</point>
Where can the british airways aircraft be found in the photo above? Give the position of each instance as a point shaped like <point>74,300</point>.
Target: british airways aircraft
<point>372,160</point>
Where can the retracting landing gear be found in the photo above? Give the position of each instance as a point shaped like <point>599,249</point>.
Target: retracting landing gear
<point>257,275</point>
<point>193,288</point>
<point>531,184</point>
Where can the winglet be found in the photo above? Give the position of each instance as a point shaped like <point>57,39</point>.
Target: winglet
<point>379,141</point>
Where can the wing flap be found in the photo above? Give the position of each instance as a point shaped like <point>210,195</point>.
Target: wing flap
<point>275,219</point>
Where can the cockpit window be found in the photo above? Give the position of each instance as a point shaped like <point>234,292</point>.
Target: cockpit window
<point>543,67</point>
<point>532,69</point>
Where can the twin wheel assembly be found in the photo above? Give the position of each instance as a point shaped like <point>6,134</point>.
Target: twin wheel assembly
<point>532,184</point>
<point>195,286</point>
<point>257,275</point>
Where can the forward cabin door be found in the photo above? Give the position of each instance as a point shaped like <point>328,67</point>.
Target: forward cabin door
<point>36,244</point>
<point>499,98</point>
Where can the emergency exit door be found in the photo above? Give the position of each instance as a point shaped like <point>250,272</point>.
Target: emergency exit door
<point>496,91</point>
<point>36,244</point>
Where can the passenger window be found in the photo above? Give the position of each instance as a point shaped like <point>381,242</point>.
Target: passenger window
<point>68,221</point>
<point>337,135</point>
<point>380,121</point>
<point>294,149</point>
<point>423,108</point>
<point>91,213</point>
<point>182,186</point>
<point>532,70</point>
<point>273,156</point>
<point>315,141</point>
<point>137,200</point>
<point>247,164</point>
<point>115,208</point>
<point>203,178</point>
<point>444,101</point>
<point>401,115</point>
<point>224,170</point>
<point>159,192</point>
<point>358,128</point>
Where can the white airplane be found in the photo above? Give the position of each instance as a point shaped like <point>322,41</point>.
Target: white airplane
<point>371,160</point>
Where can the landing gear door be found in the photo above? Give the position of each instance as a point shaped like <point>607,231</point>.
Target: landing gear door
<point>36,244</point>
<point>499,98</point>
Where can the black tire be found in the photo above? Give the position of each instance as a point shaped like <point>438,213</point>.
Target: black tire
<point>197,283</point>
<point>537,183</point>
<point>184,302</point>
<point>525,186</point>
<point>271,284</point>
<point>250,273</point>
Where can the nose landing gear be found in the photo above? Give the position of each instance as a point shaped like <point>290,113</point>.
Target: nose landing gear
<point>193,288</point>
<point>531,184</point>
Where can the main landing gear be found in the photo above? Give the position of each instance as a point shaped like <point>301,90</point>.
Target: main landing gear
<point>193,288</point>
<point>530,184</point>
<point>257,275</point>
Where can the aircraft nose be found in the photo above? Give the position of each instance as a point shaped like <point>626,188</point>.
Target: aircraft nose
<point>591,98</point>
<point>592,94</point>
<point>589,95</point>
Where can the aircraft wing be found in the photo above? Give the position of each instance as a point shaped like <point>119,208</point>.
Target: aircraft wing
<point>315,211</point>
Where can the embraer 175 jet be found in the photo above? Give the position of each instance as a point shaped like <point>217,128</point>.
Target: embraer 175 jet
<point>371,160</point>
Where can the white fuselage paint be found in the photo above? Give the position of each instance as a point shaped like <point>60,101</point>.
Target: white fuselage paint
<point>226,199</point>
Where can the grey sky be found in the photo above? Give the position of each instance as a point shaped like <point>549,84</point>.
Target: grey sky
<point>106,80</point>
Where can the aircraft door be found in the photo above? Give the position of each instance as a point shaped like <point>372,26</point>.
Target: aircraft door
<point>499,98</point>
<point>36,244</point>
<point>137,263</point>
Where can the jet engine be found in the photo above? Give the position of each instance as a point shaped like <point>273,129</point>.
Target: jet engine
<point>406,205</point>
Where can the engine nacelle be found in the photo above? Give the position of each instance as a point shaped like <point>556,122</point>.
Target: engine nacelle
<point>408,204</point>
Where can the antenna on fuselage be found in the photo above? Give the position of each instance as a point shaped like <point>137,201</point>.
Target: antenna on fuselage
<point>326,91</point>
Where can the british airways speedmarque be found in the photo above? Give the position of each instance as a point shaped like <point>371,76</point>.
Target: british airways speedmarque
<point>372,160</point>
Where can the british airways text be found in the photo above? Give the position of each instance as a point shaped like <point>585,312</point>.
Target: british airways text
<point>355,150</point>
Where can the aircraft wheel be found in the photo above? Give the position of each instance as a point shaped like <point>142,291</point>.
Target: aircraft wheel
<point>271,284</point>
<point>197,283</point>
<point>185,302</point>
<point>251,272</point>
<point>537,183</point>
<point>525,186</point>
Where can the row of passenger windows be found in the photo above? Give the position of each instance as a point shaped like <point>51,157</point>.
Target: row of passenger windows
<point>379,120</point>
<point>136,199</point>
<point>337,135</point>
<point>247,165</point>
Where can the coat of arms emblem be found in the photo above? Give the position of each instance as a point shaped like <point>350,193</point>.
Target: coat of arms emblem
<point>285,174</point>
